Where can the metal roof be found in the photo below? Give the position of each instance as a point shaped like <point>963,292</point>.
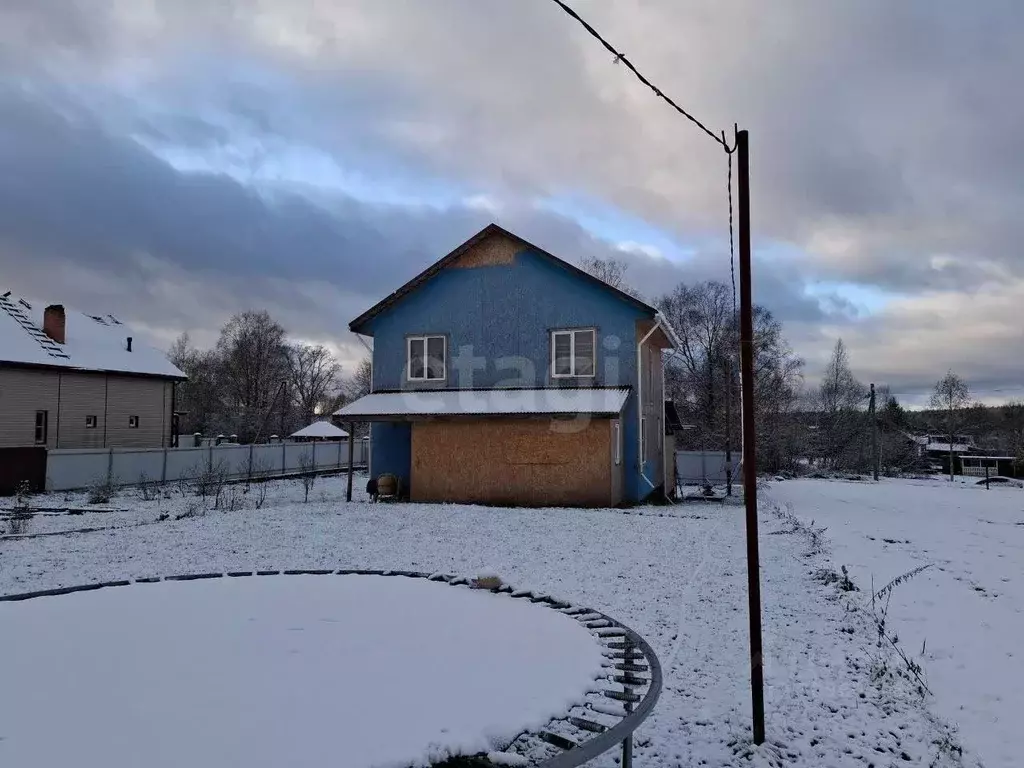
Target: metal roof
<point>560,401</point>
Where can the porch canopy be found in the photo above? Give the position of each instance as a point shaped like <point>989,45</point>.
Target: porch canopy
<point>423,404</point>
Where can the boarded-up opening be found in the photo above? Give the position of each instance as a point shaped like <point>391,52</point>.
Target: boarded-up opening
<point>516,462</point>
<point>20,464</point>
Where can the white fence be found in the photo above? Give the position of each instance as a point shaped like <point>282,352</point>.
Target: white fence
<point>704,466</point>
<point>72,468</point>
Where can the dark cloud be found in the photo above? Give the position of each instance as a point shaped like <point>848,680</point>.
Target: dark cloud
<point>885,144</point>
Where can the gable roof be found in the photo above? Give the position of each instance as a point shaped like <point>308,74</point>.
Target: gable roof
<point>92,342</point>
<point>491,229</point>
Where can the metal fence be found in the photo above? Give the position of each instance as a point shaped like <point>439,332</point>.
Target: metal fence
<point>73,468</point>
<point>699,467</point>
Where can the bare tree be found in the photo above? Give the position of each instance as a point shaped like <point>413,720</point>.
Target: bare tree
<point>307,470</point>
<point>359,383</point>
<point>610,270</point>
<point>314,378</point>
<point>697,376</point>
<point>839,403</point>
<point>254,369</point>
<point>952,397</point>
<point>702,377</point>
<point>198,398</point>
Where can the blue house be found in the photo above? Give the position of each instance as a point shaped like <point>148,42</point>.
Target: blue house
<point>505,375</point>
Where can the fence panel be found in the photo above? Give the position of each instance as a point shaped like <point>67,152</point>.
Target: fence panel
<point>128,467</point>
<point>186,463</point>
<point>74,468</point>
<point>698,467</point>
<point>67,469</point>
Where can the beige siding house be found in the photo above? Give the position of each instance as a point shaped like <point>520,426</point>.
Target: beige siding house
<point>73,380</point>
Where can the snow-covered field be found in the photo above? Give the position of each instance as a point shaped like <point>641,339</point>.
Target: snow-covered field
<point>676,575</point>
<point>962,617</point>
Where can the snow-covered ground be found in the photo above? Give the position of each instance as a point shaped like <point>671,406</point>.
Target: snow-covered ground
<point>676,575</point>
<point>287,670</point>
<point>963,617</point>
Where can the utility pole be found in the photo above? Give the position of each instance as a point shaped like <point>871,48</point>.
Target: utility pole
<point>728,427</point>
<point>749,447</point>
<point>874,432</point>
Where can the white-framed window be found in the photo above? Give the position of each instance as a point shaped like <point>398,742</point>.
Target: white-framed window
<point>133,422</point>
<point>643,439</point>
<point>572,353</point>
<point>617,442</point>
<point>90,422</point>
<point>427,358</point>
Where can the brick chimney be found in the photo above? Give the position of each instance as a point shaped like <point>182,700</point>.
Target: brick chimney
<point>53,322</point>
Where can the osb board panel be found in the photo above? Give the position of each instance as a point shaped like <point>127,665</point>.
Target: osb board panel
<point>512,462</point>
<point>657,339</point>
<point>491,251</point>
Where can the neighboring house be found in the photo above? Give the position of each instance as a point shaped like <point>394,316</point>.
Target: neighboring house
<point>70,380</point>
<point>503,374</point>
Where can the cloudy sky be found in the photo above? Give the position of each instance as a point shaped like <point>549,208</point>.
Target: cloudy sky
<point>175,161</point>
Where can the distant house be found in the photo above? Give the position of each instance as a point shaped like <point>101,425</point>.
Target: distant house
<point>503,374</point>
<point>71,380</point>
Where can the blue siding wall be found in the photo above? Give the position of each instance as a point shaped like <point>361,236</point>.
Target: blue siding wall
<point>498,320</point>
<point>391,450</point>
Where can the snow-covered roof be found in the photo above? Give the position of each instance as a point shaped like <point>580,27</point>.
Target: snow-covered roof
<point>956,447</point>
<point>321,429</point>
<point>598,401</point>
<point>92,342</point>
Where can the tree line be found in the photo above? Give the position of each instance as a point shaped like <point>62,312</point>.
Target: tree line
<point>254,382</point>
<point>828,425</point>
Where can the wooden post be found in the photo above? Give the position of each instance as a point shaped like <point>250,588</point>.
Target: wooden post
<point>987,488</point>
<point>351,451</point>
<point>749,438</point>
<point>874,432</point>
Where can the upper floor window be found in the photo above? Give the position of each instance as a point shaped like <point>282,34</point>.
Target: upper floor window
<point>133,422</point>
<point>90,422</point>
<point>42,426</point>
<point>572,353</point>
<point>427,358</point>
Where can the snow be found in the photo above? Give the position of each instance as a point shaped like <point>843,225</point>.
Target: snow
<point>966,611</point>
<point>90,344</point>
<point>321,429</point>
<point>562,400</point>
<point>945,447</point>
<point>674,574</point>
<point>283,670</point>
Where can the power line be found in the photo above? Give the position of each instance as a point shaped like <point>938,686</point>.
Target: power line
<point>619,56</point>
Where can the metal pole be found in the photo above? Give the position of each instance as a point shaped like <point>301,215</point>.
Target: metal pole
<point>874,432</point>
<point>986,478</point>
<point>351,445</point>
<point>749,447</point>
<point>728,427</point>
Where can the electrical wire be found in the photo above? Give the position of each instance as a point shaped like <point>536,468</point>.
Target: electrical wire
<point>619,56</point>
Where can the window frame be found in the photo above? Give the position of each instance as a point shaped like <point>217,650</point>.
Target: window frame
<point>133,422</point>
<point>571,332</point>
<point>42,426</point>
<point>425,338</point>
<point>91,421</point>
